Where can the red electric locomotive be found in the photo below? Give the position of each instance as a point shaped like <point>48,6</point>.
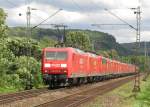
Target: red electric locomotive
<point>65,66</point>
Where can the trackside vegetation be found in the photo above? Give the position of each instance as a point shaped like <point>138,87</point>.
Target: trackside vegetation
<point>20,56</point>
<point>18,69</point>
<point>123,97</point>
<point>143,98</point>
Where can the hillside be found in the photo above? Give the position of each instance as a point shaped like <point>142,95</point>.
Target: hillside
<point>100,41</point>
<point>104,41</point>
<point>131,46</point>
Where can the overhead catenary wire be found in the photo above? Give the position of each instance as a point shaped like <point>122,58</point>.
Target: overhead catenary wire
<point>101,25</point>
<point>47,18</point>
<point>121,19</point>
<point>79,7</point>
<point>108,24</point>
<point>15,5</point>
<point>11,3</point>
<point>131,26</point>
<point>27,2</point>
<point>76,4</point>
<point>38,16</point>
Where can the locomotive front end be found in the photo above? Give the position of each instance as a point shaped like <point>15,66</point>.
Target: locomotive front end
<point>54,65</point>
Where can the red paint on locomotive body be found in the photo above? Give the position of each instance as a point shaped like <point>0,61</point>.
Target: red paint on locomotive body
<point>56,61</point>
<point>76,63</point>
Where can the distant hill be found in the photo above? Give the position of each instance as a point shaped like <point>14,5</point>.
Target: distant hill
<point>100,41</point>
<point>132,47</point>
<point>105,41</point>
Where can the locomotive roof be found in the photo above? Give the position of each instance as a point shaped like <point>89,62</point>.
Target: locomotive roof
<point>79,51</point>
<point>83,52</point>
<point>57,48</point>
<point>75,49</point>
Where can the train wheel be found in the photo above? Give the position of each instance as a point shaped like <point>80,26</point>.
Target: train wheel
<point>78,81</point>
<point>51,85</point>
<point>70,82</point>
<point>88,79</point>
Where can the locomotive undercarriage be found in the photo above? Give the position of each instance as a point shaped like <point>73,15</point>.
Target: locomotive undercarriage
<point>61,80</point>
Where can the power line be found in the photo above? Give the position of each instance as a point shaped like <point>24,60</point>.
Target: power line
<point>97,4</point>
<point>78,6</point>
<point>11,3</point>
<point>121,19</point>
<point>27,2</point>
<point>38,16</point>
<point>47,18</point>
<point>113,14</point>
<point>108,24</point>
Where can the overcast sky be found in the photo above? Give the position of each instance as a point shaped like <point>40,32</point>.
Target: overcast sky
<point>81,14</point>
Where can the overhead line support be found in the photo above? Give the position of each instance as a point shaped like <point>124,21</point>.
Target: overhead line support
<point>138,37</point>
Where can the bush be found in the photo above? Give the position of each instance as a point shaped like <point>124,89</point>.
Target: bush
<point>28,70</point>
<point>144,96</point>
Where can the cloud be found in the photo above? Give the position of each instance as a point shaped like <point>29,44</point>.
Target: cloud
<point>145,35</point>
<point>81,14</point>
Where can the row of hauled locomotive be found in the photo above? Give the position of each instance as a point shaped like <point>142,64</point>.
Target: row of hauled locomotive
<point>68,66</point>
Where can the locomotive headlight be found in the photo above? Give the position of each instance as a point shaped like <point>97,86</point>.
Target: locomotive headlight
<point>47,65</point>
<point>63,65</point>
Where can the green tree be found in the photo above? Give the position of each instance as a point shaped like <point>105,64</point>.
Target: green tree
<point>47,42</point>
<point>6,56</point>
<point>78,40</point>
<point>113,54</point>
<point>28,70</point>
<point>104,53</point>
<point>25,47</point>
<point>136,60</point>
<point>18,68</point>
<point>2,23</point>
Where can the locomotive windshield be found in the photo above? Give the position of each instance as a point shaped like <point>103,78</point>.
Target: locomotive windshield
<point>55,55</point>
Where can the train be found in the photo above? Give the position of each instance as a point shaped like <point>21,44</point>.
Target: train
<point>67,66</point>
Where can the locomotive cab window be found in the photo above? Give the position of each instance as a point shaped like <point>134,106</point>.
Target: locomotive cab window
<point>56,55</point>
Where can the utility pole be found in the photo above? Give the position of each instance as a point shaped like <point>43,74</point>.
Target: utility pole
<point>28,34</point>
<point>146,63</point>
<point>137,11</point>
<point>28,16</point>
<point>145,52</point>
<point>62,38</point>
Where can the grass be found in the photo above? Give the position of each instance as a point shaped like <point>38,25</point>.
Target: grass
<point>11,89</point>
<point>144,97</point>
<point>7,90</point>
<point>123,97</point>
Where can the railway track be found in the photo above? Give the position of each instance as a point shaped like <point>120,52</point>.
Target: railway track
<point>76,99</point>
<point>77,95</point>
<point>8,98</point>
